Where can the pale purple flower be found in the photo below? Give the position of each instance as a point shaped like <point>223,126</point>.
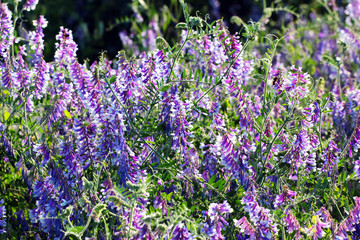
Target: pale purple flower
<point>292,224</point>
<point>353,12</point>
<point>219,208</point>
<point>30,5</point>
<point>6,30</point>
<point>245,227</point>
<point>66,47</point>
<point>316,231</point>
<point>217,213</point>
<point>41,78</point>
<point>294,83</point>
<point>36,37</point>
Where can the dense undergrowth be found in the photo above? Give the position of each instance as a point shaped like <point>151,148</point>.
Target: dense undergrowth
<point>252,135</point>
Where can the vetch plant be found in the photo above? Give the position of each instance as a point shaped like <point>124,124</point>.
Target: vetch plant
<point>220,136</point>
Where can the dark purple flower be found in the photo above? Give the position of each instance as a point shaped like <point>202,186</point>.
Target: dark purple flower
<point>42,151</point>
<point>181,233</point>
<point>160,203</point>
<point>85,141</point>
<point>47,208</point>
<point>7,76</point>
<point>5,143</point>
<point>287,195</point>
<point>329,157</point>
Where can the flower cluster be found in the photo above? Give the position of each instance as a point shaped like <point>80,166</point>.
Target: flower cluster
<point>217,213</point>
<point>2,217</point>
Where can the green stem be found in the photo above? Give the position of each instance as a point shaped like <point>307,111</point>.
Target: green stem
<point>131,123</point>
<point>177,55</point>
<point>224,75</point>
<point>131,220</point>
<point>339,84</point>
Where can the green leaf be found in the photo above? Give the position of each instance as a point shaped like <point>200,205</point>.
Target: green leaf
<point>75,232</point>
<point>168,197</point>
<point>112,79</point>
<point>237,20</point>
<point>181,25</point>
<point>117,201</point>
<point>212,179</point>
<point>6,115</point>
<point>67,114</point>
<point>165,88</point>
<point>96,212</point>
<point>161,43</point>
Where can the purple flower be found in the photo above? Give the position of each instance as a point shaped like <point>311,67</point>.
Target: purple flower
<point>219,208</point>
<point>299,153</point>
<point>42,151</point>
<point>60,97</point>
<point>30,5</point>
<point>349,223</point>
<point>312,115</point>
<point>21,74</point>
<point>6,30</point>
<point>329,157</point>
<point>287,195</point>
<point>2,217</point>
<point>36,38</point>
<point>85,141</point>
<point>260,217</point>
<point>47,207</point>
<point>293,81</point>
<point>181,233</point>
<point>353,12</point>
<point>217,213</point>
<point>9,151</point>
<point>160,203</point>
<point>41,78</point>
<point>292,224</point>
<point>128,42</point>
<point>7,76</point>
<point>317,230</point>
<point>149,36</point>
<point>245,228</point>
<point>66,47</point>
